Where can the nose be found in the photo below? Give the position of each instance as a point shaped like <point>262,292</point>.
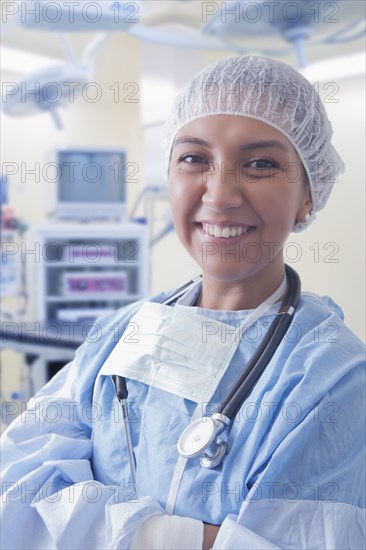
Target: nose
<point>223,187</point>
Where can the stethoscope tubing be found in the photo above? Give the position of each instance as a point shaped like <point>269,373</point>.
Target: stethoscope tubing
<point>120,387</point>
<point>257,364</point>
<point>245,383</point>
<point>121,390</point>
<point>173,297</point>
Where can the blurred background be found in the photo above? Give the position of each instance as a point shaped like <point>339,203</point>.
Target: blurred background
<point>85,220</point>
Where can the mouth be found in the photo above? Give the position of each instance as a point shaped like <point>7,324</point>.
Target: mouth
<point>226,232</point>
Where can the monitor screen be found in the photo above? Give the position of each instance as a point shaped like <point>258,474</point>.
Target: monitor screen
<point>91,176</point>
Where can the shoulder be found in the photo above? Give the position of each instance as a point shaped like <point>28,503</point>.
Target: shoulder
<point>319,366</point>
<point>321,318</point>
<point>320,306</point>
<point>319,349</point>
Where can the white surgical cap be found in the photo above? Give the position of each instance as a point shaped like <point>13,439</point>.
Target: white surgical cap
<point>272,92</point>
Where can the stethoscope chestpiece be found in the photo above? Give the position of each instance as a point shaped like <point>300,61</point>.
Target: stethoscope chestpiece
<point>200,438</point>
<point>211,460</point>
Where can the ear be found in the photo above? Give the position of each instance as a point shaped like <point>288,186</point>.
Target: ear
<point>306,205</point>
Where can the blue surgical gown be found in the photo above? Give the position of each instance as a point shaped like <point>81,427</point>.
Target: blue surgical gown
<point>293,477</point>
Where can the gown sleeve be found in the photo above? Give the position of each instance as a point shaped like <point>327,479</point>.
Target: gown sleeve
<point>310,494</point>
<point>50,498</point>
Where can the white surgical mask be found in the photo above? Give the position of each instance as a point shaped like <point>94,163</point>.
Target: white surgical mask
<point>178,350</point>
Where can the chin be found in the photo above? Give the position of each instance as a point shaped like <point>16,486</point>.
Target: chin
<point>227,273</point>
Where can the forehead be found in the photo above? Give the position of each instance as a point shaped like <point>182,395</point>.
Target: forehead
<point>234,133</point>
<point>224,127</point>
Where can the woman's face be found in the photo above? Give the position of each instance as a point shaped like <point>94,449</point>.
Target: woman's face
<point>236,187</point>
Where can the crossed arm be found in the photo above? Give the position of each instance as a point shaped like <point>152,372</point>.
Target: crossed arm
<point>209,535</point>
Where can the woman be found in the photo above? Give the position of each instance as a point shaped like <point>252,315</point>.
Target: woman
<point>249,160</point>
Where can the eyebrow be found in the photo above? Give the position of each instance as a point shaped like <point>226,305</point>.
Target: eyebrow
<point>188,139</point>
<point>247,147</point>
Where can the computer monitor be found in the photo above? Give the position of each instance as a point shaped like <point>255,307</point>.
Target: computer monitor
<point>91,183</point>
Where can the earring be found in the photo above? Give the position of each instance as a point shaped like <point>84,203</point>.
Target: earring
<point>308,216</point>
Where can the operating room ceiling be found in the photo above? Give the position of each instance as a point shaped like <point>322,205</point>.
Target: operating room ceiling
<point>173,17</point>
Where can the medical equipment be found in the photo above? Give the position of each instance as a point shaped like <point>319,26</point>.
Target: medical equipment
<point>293,22</point>
<point>3,190</point>
<point>10,265</point>
<point>83,16</point>
<point>151,195</point>
<point>91,183</point>
<point>202,437</point>
<point>239,25</point>
<point>78,283</point>
<point>36,340</point>
<point>12,269</point>
<point>85,271</point>
<point>52,85</point>
<point>50,90</point>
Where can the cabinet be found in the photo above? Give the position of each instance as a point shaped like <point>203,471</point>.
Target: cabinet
<point>9,262</point>
<point>87,270</point>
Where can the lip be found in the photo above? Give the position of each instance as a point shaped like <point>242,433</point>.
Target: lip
<point>219,240</point>
<point>228,223</point>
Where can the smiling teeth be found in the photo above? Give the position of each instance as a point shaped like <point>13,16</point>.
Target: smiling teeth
<point>225,232</point>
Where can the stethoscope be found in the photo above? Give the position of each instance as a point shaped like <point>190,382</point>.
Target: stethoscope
<point>203,437</point>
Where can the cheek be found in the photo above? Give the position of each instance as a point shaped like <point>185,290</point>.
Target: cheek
<point>178,192</point>
<point>181,202</point>
<point>277,208</point>
<point>183,193</point>
<point>176,197</point>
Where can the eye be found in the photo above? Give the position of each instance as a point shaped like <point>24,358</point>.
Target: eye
<point>260,168</point>
<point>262,164</point>
<point>192,159</point>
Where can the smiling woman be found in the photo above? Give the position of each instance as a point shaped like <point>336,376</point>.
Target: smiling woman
<point>245,425</point>
<point>237,189</point>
